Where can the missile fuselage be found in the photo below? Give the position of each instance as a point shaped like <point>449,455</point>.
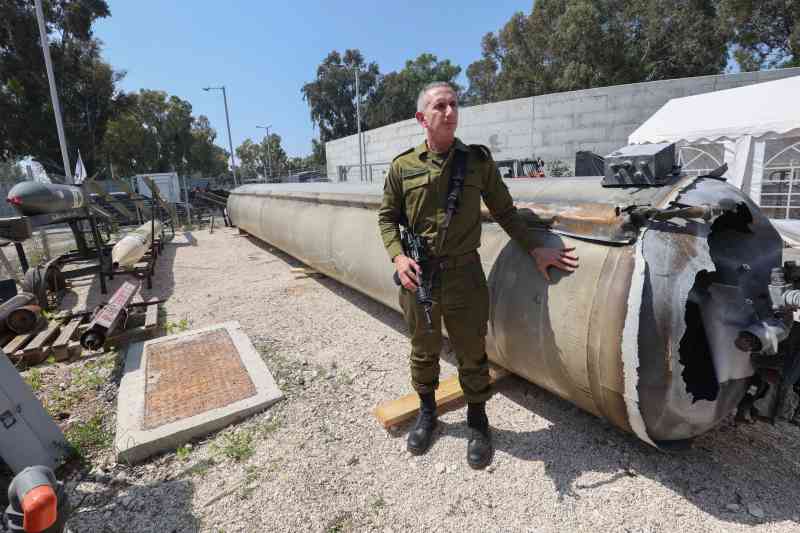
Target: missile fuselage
<point>642,333</point>
<point>132,247</point>
<point>32,198</point>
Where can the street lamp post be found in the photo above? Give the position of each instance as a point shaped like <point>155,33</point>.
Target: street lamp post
<point>228,121</point>
<point>361,152</point>
<point>269,154</point>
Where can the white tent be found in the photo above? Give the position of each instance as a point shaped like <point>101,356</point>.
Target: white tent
<point>755,129</point>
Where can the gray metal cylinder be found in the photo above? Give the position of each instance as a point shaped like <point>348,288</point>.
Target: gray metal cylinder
<point>34,198</point>
<point>641,334</point>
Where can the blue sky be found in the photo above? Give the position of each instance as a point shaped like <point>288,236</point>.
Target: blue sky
<point>264,51</point>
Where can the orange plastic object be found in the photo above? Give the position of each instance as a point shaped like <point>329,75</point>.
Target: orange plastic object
<point>40,509</point>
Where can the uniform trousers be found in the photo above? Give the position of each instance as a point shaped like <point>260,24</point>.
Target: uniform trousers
<point>461,301</point>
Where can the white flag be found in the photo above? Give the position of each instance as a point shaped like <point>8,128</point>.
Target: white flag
<point>80,171</point>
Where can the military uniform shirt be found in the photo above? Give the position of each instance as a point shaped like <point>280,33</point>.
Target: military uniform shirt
<point>416,190</point>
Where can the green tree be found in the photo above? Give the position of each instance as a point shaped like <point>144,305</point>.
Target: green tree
<point>331,96</point>
<point>256,159</point>
<point>395,97</point>
<point>157,133</point>
<point>578,44</point>
<point>206,159</point>
<point>87,85</point>
<point>764,33</point>
<point>317,157</point>
<point>10,172</point>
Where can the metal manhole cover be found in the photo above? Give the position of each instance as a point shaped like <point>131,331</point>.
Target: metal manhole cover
<point>191,375</point>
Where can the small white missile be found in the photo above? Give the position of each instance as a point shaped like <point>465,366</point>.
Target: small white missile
<point>127,252</point>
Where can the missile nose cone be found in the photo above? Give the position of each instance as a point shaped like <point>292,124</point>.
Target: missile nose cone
<point>23,191</point>
<point>34,198</point>
<point>25,188</point>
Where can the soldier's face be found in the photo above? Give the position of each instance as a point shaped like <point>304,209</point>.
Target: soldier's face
<point>440,117</point>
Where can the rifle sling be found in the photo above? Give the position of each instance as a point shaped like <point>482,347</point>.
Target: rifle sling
<point>454,187</point>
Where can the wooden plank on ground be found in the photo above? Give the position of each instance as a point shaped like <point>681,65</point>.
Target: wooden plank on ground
<point>18,342</point>
<point>36,350</point>
<point>60,345</point>
<point>449,392</point>
<point>151,319</point>
<point>306,271</point>
<point>43,338</point>
<point>14,347</point>
<point>74,350</point>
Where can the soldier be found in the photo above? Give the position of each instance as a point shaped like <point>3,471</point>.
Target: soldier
<point>415,193</point>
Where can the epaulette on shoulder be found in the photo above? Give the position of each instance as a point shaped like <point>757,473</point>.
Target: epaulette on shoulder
<point>401,154</point>
<point>483,151</point>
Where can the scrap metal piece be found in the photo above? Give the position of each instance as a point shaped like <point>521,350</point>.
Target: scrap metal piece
<point>109,317</point>
<point>15,302</point>
<point>23,319</point>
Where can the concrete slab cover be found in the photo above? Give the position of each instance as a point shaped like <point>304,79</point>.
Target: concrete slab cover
<point>182,386</point>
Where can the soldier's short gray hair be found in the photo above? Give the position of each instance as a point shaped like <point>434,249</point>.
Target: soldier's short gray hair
<point>422,100</point>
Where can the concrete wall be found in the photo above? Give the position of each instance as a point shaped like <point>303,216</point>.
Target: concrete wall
<point>553,126</point>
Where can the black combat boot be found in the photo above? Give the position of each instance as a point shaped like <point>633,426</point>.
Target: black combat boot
<point>420,436</point>
<point>479,447</point>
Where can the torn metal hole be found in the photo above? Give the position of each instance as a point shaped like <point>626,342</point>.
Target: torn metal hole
<point>695,353</point>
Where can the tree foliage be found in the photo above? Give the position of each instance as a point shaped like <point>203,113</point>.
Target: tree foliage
<point>395,97</point>
<point>10,172</point>
<point>577,44</point>
<point>765,33</point>
<point>87,85</point>
<point>332,95</point>
<point>157,133</point>
<point>256,159</point>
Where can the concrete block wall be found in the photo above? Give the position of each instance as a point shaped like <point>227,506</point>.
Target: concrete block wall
<point>551,126</point>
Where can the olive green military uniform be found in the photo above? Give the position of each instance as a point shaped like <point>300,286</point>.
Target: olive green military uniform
<point>416,190</point>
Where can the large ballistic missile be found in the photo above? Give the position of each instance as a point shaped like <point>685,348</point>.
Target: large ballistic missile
<point>34,198</point>
<point>644,333</point>
<point>134,245</point>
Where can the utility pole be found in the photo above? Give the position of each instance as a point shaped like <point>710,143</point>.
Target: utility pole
<point>48,62</point>
<point>361,146</point>
<point>358,124</point>
<point>228,121</point>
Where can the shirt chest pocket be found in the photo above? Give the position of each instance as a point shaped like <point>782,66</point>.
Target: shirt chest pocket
<point>416,185</point>
<point>473,187</point>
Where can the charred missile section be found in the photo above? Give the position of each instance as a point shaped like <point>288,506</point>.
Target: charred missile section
<point>34,198</point>
<point>679,313</point>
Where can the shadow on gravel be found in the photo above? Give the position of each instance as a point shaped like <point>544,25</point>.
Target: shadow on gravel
<point>116,507</point>
<point>377,310</point>
<point>752,466</point>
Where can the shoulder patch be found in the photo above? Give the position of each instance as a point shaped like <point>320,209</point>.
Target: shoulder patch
<point>401,154</point>
<point>483,151</point>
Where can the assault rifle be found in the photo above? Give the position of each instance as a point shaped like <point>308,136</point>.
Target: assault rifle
<point>414,247</point>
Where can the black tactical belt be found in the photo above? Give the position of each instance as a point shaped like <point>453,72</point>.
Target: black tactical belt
<point>455,261</point>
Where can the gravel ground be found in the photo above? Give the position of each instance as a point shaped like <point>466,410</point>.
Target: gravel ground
<point>319,460</point>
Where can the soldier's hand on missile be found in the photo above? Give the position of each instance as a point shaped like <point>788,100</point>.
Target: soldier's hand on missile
<point>561,258</point>
<point>409,272</point>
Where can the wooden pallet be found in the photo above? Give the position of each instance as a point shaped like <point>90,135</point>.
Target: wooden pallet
<point>60,337</point>
<point>16,345</point>
<point>448,394</point>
